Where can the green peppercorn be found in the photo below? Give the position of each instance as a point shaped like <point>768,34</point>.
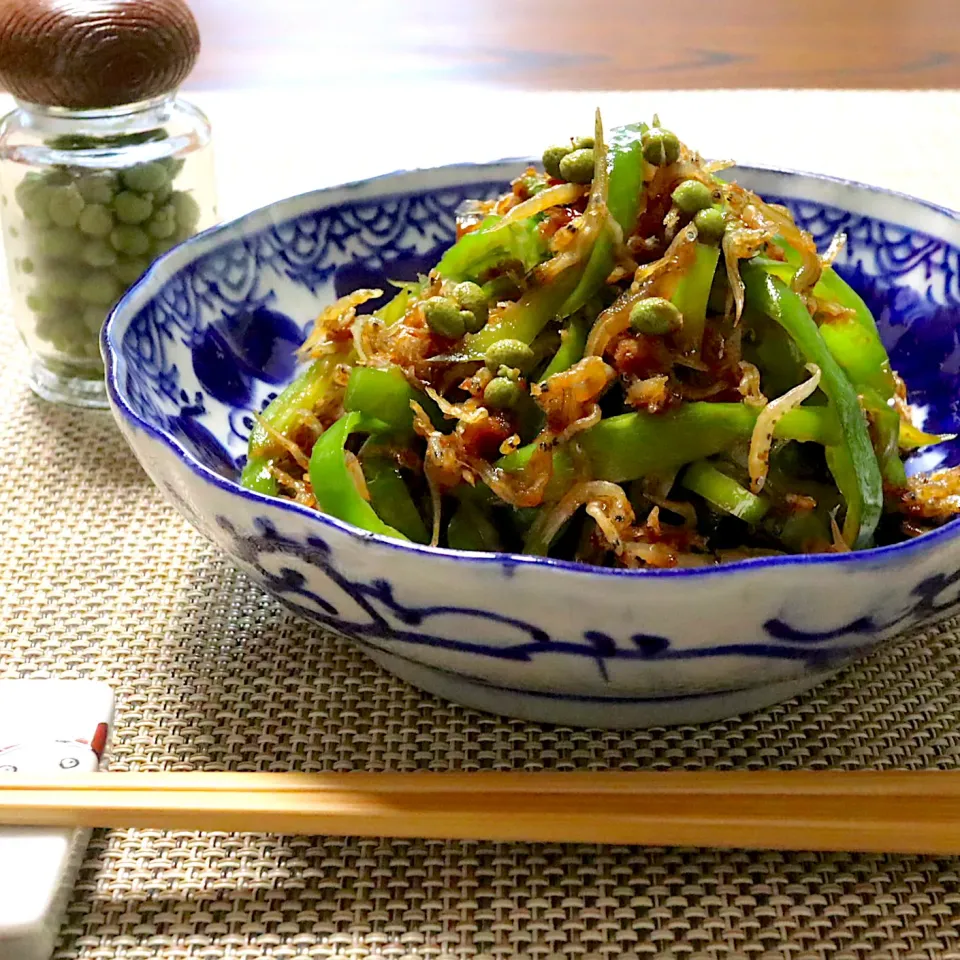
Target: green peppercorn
<point>33,196</point>
<point>45,326</point>
<point>27,265</point>
<point>443,317</point>
<point>188,210</point>
<point>62,341</point>
<point>38,218</point>
<point>691,196</point>
<point>98,187</point>
<point>660,147</point>
<point>502,393</point>
<point>24,191</point>
<point>95,220</point>
<point>129,239</point>
<point>99,253</point>
<point>471,300</point>
<point>39,302</point>
<point>470,296</point>
<point>577,167</point>
<point>89,349</point>
<point>655,316</point>
<point>62,282</point>
<point>161,195</point>
<point>100,287</point>
<point>60,242</point>
<point>163,223</point>
<point>509,353</point>
<point>471,322</point>
<point>174,165</point>
<point>711,224</point>
<point>145,177</point>
<point>65,205</point>
<point>583,143</point>
<point>552,157</point>
<point>131,207</point>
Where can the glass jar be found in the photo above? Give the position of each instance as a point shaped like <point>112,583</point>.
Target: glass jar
<point>87,199</point>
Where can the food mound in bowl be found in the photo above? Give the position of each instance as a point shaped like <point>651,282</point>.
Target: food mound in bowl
<point>623,361</point>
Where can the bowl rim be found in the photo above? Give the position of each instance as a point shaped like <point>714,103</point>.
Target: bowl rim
<point>860,558</point>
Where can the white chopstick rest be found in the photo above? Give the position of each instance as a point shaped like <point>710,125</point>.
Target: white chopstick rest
<point>46,727</point>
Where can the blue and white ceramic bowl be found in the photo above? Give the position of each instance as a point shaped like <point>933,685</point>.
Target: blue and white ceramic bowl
<point>206,339</point>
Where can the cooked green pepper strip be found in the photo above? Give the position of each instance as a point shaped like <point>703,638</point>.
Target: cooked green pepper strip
<point>912,437</point>
<point>491,244</point>
<point>283,414</point>
<point>524,318</point>
<point>635,445</point>
<point>861,353</point>
<point>693,292</point>
<point>500,288</point>
<point>471,529</point>
<point>457,257</point>
<point>833,287</point>
<point>333,484</point>
<point>390,497</point>
<point>383,394</point>
<point>867,362</point>
<point>394,310</point>
<point>257,476</point>
<point>857,472</point>
<point>864,359</point>
<point>304,393</point>
<point>804,532</point>
<point>854,343</point>
<point>560,479</point>
<point>535,543</point>
<point>724,492</point>
<point>885,420</point>
<point>574,340</point>
<point>774,353</point>
<point>625,187</point>
<point>523,519</point>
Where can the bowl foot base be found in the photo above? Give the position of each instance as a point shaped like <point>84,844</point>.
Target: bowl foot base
<point>609,714</point>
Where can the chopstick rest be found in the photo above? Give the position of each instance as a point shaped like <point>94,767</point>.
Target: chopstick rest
<point>46,727</point>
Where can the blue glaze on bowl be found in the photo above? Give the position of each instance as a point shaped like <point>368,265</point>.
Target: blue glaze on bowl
<point>204,341</point>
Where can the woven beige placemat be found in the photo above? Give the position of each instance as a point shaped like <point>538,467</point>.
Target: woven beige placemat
<point>100,579</point>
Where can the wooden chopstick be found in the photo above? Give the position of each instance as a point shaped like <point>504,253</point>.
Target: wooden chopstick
<point>875,811</point>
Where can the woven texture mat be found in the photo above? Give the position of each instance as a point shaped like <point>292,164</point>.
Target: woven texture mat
<point>100,579</point>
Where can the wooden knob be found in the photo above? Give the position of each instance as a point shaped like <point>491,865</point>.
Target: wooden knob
<point>85,54</point>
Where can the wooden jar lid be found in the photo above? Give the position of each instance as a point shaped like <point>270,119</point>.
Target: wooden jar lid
<point>89,54</point>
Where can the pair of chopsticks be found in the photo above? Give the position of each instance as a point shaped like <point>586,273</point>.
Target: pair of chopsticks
<point>876,811</point>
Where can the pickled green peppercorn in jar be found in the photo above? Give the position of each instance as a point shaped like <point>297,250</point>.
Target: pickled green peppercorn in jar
<point>102,169</point>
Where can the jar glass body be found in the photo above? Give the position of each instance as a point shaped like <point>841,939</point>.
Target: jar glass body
<point>87,200</point>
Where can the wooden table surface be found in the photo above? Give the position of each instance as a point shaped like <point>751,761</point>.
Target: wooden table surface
<point>580,44</point>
